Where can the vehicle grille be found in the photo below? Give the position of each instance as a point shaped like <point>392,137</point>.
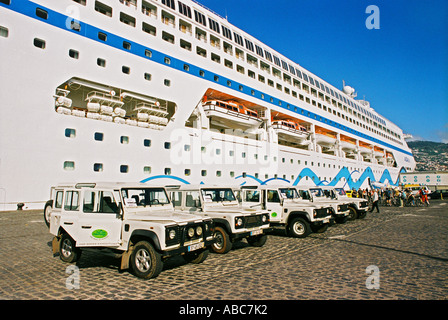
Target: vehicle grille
<point>253,221</point>
<point>363,204</point>
<point>321,213</point>
<point>344,207</point>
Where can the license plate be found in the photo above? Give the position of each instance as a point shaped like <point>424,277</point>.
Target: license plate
<point>326,220</point>
<point>196,246</point>
<point>256,232</point>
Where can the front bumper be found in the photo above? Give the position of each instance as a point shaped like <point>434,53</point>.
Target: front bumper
<point>250,232</point>
<point>191,247</point>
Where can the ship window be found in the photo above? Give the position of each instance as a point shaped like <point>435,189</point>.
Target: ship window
<point>216,58</point>
<point>232,174</point>
<point>259,51</point>
<point>41,13</point>
<point>199,17</point>
<point>73,54</point>
<point>169,3</point>
<point>39,43</point>
<point>167,171</point>
<point>167,145</point>
<point>70,133</point>
<point>226,32</point>
<point>98,136</point>
<point>185,45</point>
<point>101,62</point>
<point>213,25</point>
<point>268,55</point>
<point>147,76</point>
<point>124,140</point>
<point>203,173</point>
<point>98,167</point>
<point>167,37</point>
<point>102,8</point>
<point>126,19</point>
<point>4,32</point>
<point>102,36</point>
<point>249,45</point>
<point>69,165</point>
<point>124,168</point>
<point>83,2</point>
<point>147,170</point>
<point>148,53</point>
<point>126,45</point>
<point>238,39</point>
<point>125,69</point>
<point>149,29</point>
<point>167,60</point>
<point>187,172</point>
<point>184,9</point>
<point>167,82</point>
<point>218,173</point>
<point>276,60</point>
<point>147,143</point>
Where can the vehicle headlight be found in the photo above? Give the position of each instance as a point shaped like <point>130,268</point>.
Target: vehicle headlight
<point>238,222</point>
<point>263,218</point>
<point>172,234</point>
<point>190,232</point>
<point>199,231</point>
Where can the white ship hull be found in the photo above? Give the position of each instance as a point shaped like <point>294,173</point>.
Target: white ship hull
<point>40,147</point>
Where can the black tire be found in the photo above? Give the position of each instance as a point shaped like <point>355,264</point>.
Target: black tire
<point>146,262</point>
<point>299,228</point>
<point>47,212</point>
<point>196,257</point>
<point>222,244</point>
<point>362,214</point>
<point>67,249</point>
<point>320,229</point>
<point>257,241</point>
<point>352,215</point>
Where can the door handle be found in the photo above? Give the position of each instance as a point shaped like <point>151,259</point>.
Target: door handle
<point>68,223</point>
<point>86,227</point>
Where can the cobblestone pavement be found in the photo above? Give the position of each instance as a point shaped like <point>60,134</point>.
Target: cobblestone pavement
<point>409,246</point>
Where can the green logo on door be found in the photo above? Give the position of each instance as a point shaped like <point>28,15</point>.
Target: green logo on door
<point>99,233</point>
<point>274,214</point>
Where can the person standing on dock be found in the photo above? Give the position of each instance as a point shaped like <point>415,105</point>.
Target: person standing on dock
<point>375,202</point>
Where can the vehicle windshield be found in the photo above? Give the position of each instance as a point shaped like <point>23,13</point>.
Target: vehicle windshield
<point>142,197</point>
<point>340,191</point>
<point>217,195</point>
<point>317,192</point>
<point>289,193</point>
<point>251,195</point>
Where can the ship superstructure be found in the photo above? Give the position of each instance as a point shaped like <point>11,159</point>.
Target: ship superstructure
<point>168,92</point>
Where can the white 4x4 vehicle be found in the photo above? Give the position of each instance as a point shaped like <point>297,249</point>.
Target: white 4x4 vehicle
<point>339,209</point>
<point>287,209</point>
<point>232,222</point>
<point>358,207</point>
<point>136,222</point>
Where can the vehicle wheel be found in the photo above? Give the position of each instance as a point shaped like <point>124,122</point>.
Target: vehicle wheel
<point>362,214</point>
<point>47,212</point>
<point>299,228</point>
<point>67,249</point>
<point>257,241</point>
<point>196,257</point>
<point>352,215</point>
<point>222,241</point>
<point>146,262</point>
<point>320,229</point>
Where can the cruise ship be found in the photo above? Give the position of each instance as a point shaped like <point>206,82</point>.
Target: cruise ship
<point>168,92</point>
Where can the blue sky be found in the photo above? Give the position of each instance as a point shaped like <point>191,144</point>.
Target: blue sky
<point>401,68</point>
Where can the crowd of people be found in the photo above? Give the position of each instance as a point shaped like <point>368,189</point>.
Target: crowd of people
<point>392,197</point>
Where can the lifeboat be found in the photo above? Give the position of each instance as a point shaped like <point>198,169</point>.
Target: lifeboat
<point>365,149</point>
<point>389,159</point>
<point>290,130</point>
<point>226,112</point>
<point>325,137</point>
<point>378,152</point>
<point>347,144</point>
